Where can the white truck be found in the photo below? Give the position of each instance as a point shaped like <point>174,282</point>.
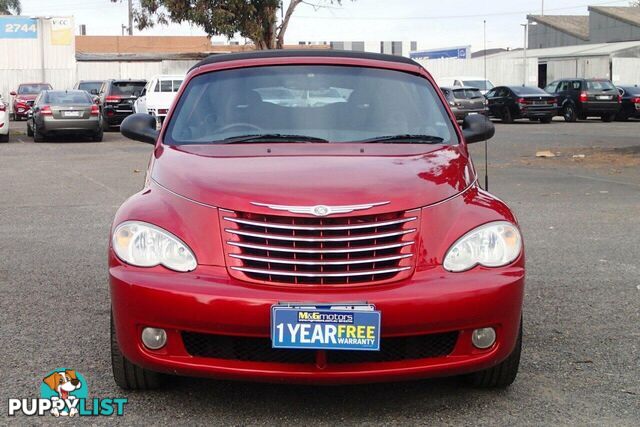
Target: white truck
<point>158,95</point>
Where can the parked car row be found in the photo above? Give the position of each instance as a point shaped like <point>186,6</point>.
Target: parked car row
<point>50,112</point>
<point>573,99</point>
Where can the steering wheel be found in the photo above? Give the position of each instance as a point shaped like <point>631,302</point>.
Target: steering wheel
<point>241,125</point>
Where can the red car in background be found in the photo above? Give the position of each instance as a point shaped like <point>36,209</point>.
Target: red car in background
<point>23,98</point>
<point>313,217</point>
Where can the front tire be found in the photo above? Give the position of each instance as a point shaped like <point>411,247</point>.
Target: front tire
<point>608,118</point>
<point>127,375</point>
<point>503,374</point>
<point>4,138</point>
<point>29,129</point>
<point>546,120</point>
<point>569,113</point>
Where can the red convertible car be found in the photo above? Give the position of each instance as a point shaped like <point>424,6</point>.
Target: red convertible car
<point>313,217</point>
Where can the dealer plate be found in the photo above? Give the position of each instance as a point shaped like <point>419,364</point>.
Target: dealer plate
<point>325,327</point>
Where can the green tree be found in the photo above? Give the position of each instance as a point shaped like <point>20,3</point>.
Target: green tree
<point>256,20</point>
<point>9,7</point>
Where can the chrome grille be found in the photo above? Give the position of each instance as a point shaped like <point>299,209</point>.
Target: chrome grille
<point>320,251</point>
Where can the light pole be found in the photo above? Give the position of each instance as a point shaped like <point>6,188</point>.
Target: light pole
<point>524,54</point>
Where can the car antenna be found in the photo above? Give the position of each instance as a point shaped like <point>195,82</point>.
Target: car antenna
<point>486,150</point>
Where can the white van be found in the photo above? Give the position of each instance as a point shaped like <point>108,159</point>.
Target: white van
<point>481,83</point>
<point>158,95</point>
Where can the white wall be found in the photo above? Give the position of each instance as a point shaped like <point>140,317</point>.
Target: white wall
<point>626,70</point>
<point>21,61</point>
<point>590,67</point>
<point>499,70</point>
<point>102,70</point>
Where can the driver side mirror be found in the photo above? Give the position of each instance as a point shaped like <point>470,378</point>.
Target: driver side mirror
<point>140,127</point>
<point>13,93</point>
<point>477,127</point>
<point>93,91</point>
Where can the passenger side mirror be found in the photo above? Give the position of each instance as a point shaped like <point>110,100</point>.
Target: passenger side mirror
<point>13,93</point>
<point>140,127</point>
<point>477,127</point>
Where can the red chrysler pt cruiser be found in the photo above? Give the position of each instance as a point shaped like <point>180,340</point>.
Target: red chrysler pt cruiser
<point>313,217</point>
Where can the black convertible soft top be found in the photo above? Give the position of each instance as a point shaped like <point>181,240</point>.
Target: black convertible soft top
<point>294,53</point>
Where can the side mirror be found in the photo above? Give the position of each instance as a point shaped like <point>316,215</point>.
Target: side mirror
<point>94,91</point>
<point>13,93</point>
<point>140,127</point>
<point>477,127</point>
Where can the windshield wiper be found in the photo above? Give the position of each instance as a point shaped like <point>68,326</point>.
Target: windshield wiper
<point>270,137</point>
<point>405,139</point>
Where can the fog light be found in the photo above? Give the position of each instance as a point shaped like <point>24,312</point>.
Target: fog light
<point>154,338</point>
<point>483,337</point>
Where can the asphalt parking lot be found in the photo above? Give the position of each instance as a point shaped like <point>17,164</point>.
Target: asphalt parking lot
<point>580,214</point>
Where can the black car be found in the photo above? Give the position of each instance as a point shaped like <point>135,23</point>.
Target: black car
<point>117,98</point>
<point>582,98</point>
<point>91,86</point>
<point>465,100</point>
<point>630,105</point>
<point>521,102</point>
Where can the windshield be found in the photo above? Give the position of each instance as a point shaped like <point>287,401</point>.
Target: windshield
<point>528,90</point>
<point>168,85</point>
<point>67,98</point>
<point>33,89</point>
<point>89,86</point>
<point>467,93</point>
<point>331,103</point>
<point>600,85</point>
<point>480,84</point>
<point>127,88</point>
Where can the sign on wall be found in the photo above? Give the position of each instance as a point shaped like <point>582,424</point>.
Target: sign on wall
<point>61,31</point>
<point>460,52</point>
<point>18,28</point>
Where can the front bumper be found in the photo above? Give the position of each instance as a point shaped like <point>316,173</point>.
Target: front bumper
<point>208,301</point>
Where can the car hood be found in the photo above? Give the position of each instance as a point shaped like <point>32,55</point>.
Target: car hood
<point>26,97</point>
<point>232,177</point>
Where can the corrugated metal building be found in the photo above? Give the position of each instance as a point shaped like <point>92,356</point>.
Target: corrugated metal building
<point>604,24</point>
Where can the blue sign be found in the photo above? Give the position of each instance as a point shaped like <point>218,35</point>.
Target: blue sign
<point>18,28</point>
<point>325,327</point>
<point>454,52</point>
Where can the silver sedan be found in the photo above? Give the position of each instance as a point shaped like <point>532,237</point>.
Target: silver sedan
<point>64,112</point>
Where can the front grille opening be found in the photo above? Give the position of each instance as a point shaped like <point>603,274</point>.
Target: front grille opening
<point>249,349</point>
<point>331,251</point>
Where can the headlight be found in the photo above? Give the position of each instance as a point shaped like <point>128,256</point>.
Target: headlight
<point>145,245</point>
<point>493,245</point>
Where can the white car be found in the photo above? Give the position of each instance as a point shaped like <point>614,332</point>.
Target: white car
<point>481,83</point>
<point>4,120</point>
<point>158,95</point>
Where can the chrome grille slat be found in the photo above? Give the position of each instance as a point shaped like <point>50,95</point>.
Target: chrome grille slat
<point>303,274</point>
<point>303,250</point>
<point>318,239</point>
<point>320,228</point>
<point>319,251</point>
<point>338,262</point>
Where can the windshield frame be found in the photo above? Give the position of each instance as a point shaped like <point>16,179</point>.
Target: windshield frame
<point>455,138</point>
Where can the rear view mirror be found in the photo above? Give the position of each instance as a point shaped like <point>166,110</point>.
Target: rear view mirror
<point>477,127</point>
<point>140,127</point>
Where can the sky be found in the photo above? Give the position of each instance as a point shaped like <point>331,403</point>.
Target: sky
<point>432,23</point>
